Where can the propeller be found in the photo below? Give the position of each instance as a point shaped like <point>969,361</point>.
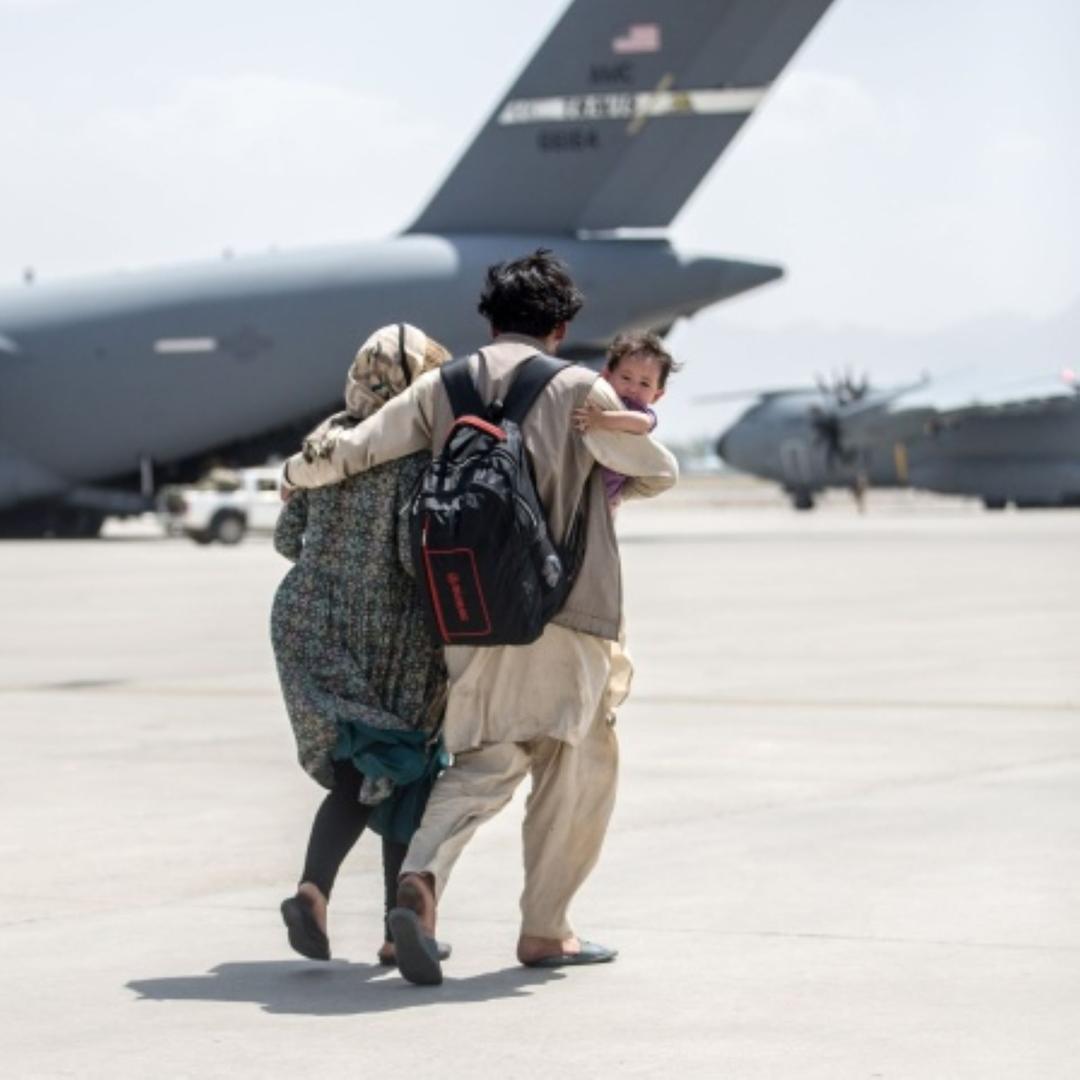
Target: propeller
<point>845,389</point>
<point>829,431</point>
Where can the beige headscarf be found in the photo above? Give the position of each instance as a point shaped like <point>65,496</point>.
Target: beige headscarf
<point>389,361</point>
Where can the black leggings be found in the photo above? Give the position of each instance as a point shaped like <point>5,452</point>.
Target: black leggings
<point>337,826</point>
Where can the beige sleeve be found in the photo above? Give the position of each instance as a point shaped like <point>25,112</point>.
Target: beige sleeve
<point>652,468</point>
<point>402,426</point>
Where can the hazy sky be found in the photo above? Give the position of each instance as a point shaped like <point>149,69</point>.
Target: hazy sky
<point>917,166</point>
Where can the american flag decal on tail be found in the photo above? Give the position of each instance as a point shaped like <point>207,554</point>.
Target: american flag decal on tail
<point>639,38</point>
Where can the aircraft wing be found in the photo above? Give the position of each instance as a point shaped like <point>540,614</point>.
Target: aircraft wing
<point>962,395</point>
<point>905,412</point>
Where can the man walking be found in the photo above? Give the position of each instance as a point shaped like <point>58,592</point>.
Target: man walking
<point>543,709</point>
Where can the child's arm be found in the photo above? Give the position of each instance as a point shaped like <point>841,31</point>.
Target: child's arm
<point>651,469</point>
<point>590,417</point>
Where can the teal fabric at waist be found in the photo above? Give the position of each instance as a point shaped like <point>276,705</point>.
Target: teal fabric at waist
<point>407,758</point>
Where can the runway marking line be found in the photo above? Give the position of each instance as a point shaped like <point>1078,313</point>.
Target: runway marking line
<point>854,703</point>
<point>124,686</point>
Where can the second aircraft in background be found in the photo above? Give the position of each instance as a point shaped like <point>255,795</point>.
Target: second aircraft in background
<point>1016,440</point>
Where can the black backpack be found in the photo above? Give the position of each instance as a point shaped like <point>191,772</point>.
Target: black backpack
<point>488,571</point>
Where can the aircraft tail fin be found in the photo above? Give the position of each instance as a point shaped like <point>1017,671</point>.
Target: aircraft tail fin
<point>619,115</point>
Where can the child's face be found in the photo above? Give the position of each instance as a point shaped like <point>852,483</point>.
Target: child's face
<point>637,378</point>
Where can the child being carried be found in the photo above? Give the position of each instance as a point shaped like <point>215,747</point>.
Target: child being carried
<point>637,367</point>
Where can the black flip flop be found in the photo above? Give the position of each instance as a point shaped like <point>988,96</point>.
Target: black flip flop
<point>591,953</point>
<point>444,949</point>
<point>304,933</point>
<point>417,954</point>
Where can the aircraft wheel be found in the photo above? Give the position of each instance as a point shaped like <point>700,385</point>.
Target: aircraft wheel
<point>81,525</point>
<point>802,500</point>
<point>994,503</point>
<point>50,520</point>
<point>228,527</point>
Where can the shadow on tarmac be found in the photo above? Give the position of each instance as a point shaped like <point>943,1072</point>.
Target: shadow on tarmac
<point>337,988</point>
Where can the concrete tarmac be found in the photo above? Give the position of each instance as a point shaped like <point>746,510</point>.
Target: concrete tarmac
<point>847,843</point>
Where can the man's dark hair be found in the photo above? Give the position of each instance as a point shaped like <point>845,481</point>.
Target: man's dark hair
<point>642,344</point>
<point>531,295</point>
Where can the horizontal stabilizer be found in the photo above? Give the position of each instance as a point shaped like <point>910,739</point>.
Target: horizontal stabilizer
<point>619,115</point>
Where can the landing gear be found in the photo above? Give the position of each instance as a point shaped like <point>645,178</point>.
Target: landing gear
<point>994,503</point>
<point>859,486</point>
<point>84,525</point>
<point>802,500</point>
<point>50,520</point>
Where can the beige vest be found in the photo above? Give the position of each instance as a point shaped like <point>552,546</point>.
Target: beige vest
<point>565,470</point>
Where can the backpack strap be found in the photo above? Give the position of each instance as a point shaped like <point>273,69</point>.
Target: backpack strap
<point>465,399</point>
<point>531,377</point>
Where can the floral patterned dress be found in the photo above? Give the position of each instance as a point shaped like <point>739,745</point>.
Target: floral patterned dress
<point>347,628</point>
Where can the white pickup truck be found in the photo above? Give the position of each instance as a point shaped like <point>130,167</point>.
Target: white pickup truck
<point>224,505</point>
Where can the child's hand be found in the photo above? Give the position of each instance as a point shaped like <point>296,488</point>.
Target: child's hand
<point>587,417</point>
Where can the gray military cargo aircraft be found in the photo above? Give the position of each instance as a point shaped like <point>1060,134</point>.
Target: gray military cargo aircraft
<point>1014,441</point>
<point>111,387</point>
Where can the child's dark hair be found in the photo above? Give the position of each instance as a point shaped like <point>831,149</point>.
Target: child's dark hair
<point>531,295</point>
<point>643,343</point>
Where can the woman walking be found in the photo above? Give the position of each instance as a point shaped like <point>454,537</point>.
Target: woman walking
<point>364,683</point>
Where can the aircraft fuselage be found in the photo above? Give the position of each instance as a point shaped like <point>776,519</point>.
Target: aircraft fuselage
<point>99,378</point>
<point>1010,455</point>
